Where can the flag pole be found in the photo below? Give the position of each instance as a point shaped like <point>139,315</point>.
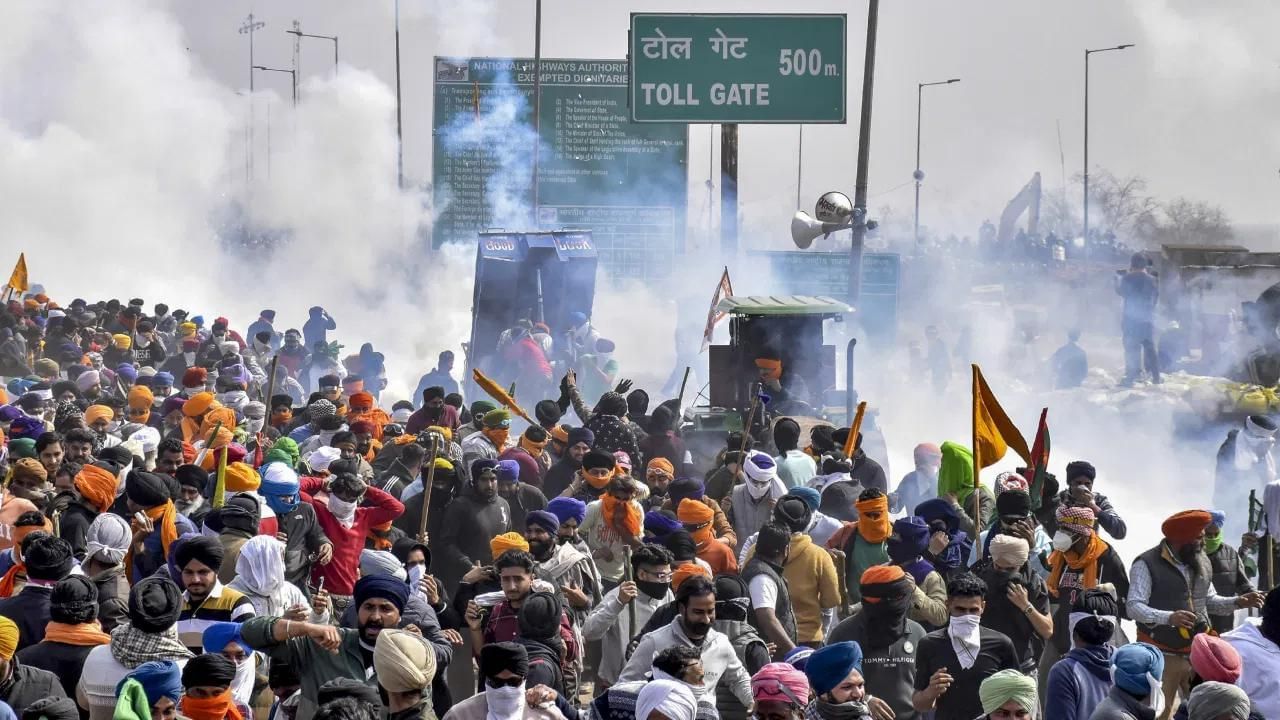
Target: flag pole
<point>977,460</point>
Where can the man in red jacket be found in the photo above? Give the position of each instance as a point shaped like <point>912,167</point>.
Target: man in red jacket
<point>337,501</point>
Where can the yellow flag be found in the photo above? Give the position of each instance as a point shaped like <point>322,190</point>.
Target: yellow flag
<point>18,278</point>
<point>993,432</point>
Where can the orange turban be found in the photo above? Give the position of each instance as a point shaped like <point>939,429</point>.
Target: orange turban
<point>97,485</point>
<point>560,434</point>
<point>881,581</point>
<point>684,572</point>
<point>141,397</point>
<point>879,574</point>
<point>662,465</point>
<point>874,531</point>
<point>199,404</point>
<point>1186,526</point>
<point>224,415</point>
<point>507,541</point>
<point>362,401</point>
<point>242,477</point>
<point>693,512</point>
<point>772,368</point>
<point>94,413</point>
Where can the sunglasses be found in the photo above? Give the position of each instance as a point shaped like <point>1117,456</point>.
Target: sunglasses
<point>504,682</point>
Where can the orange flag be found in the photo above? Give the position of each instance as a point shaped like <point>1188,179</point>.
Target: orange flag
<point>18,278</point>
<point>994,433</point>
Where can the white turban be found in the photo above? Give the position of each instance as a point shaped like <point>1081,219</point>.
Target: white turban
<point>1213,700</point>
<point>87,379</point>
<point>322,458</point>
<point>108,539</point>
<point>404,662</point>
<point>1009,551</point>
<point>672,698</point>
<point>381,562</point>
<point>260,566</point>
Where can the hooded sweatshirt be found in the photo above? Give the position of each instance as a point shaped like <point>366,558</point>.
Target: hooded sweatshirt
<point>1078,683</point>
<point>470,522</point>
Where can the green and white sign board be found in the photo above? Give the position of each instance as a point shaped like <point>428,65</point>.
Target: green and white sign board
<point>723,68</point>
<point>597,170</point>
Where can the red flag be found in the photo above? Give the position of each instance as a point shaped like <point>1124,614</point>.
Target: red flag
<point>1039,460</point>
<point>723,289</point>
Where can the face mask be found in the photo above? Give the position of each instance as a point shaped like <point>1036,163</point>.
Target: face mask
<point>283,504</point>
<point>1063,540</point>
<point>253,425</point>
<point>343,510</point>
<point>757,490</point>
<point>416,573</point>
<point>852,710</point>
<point>498,436</point>
<point>1212,543</point>
<point>655,590</point>
<point>965,625</point>
<point>504,702</point>
<point>282,417</point>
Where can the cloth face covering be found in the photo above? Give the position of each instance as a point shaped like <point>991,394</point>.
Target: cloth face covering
<point>965,632</point>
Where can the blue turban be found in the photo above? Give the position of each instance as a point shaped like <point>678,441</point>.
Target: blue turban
<point>828,666</point>
<point>798,657</point>
<point>158,678</point>
<point>544,520</point>
<point>9,413</point>
<point>659,524</point>
<point>381,586</point>
<point>163,378</point>
<point>909,540</point>
<point>1219,518</point>
<point>808,495</point>
<point>26,427</point>
<point>683,488</point>
<point>1133,663</point>
<point>279,481</point>
<point>127,372</point>
<point>939,509</point>
<point>19,386</point>
<point>508,470</point>
<point>566,508</point>
<point>581,435</point>
<point>217,636</point>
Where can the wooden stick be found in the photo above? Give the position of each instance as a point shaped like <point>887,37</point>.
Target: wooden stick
<point>628,577</point>
<point>426,491</point>
<point>271,383</point>
<point>851,441</point>
<point>680,397</point>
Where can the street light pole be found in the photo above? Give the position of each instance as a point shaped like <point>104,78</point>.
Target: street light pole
<point>918,175</point>
<point>297,32</point>
<point>399,131</point>
<point>537,100</point>
<point>864,155</point>
<point>293,77</point>
<point>248,28</point>
<point>1087,53</point>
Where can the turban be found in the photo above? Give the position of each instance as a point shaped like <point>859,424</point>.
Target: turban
<point>1007,481</point>
<point>218,635</point>
<point>566,508</point>
<point>663,466</point>
<point>772,368</point>
<point>361,401</point>
<point>1186,526</point>
<point>1213,700</point>
<point>155,603</point>
<point>539,616</point>
<point>162,379</point>
<point>809,495</point>
<point>242,478</point>
<point>29,468</point>
<point>403,662</point>
<point>24,448</point>
<point>147,489</point>
<point>52,708</point>
<point>497,418</point>
<point>482,465</point>
<point>798,657</point>
<point>760,467</point>
<point>793,512</point>
<point>208,670</point>
<point>828,666</point>
<point>159,679</point>
<point>443,432</point>
<point>926,451</point>
<point>682,547</point>
<point>362,427</point>
<point>290,446</point>
<point>508,470</point>
<point>141,398</point>
<point>781,682</point>
<point>881,582</point>
<point>1218,518</point>
<point>581,435</point>
<point>507,541</point>
<point>685,488</point>
<point>693,512</point>
<point>74,601</point>
<point>108,539</point>
<point>1078,520</point>
<point>596,459</point>
<point>381,586</point>
<point>881,575</point>
<point>320,409</point>
<point>27,428</point>
<point>87,379</point>
<point>122,341</point>
<point>612,403</point>
<point>1009,551</point>
<point>1008,686</point>
<point>127,372</point>
<point>381,562</point>
<point>659,523</point>
<point>279,486</point>
<point>1214,659</point>
<point>496,657</point>
<point>543,519</point>
<point>8,638</point>
<point>672,698</point>
<point>684,572</point>
<point>1011,503</point>
<point>480,407</point>
<point>207,550</point>
<point>198,404</point>
<point>321,458</point>
<point>47,557</point>
<point>345,687</point>
<point>241,512</point>
<point>95,413</point>
<point>560,433</point>
<point>1137,668</point>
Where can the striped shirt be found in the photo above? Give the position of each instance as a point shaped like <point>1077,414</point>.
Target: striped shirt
<point>222,605</point>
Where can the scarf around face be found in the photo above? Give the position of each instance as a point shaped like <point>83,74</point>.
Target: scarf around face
<point>622,517</point>
<point>1088,561</point>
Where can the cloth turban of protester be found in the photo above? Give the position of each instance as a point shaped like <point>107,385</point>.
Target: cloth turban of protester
<point>581,435</point>
<point>1215,659</point>
<point>539,616</point>
<point>207,550</point>
<point>198,404</point>
<point>810,496</point>
<point>48,558</point>
<point>26,467</point>
<point>141,398</point>
<point>381,586</point>
<point>1008,686</point>
<point>684,572</point>
<point>693,512</point>
<point>127,372</point>
<point>217,636</point>
<point>26,428</point>
<point>24,448</point>
<point>347,688</point>
<point>1009,551</point>
<point>909,540</point>
<point>828,666</point>
<point>8,638</point>
<point>1013,503</point>
<point>74,601</point>
<point>883,581</point>
<point>320,409</point>
<point>672,698</point>
<point>793,512</point>
<point>403,662</point>
<point>195,377</point>
<point>1078,520</point>
<point>496,657</point>
<point>480,407</point>
<point>507,541</point>
<point>241,477</point>
<point>122,341</point>
<point>659,523</point>
<point>681,545</point>
<point>780,682</point>
<point>155,603</point>
<point>543,519</point>
<point>547,412</point>
<point>94,413</point>
<point>1186,526</point>
<point>322,458</point>
<point>661,465</point>
<point>1219,518</point>
<point>1215,700</point>
<point>685,488</point>
<point>508,470</point>
<point>597,459</point>
<point>51,708</point>
<point>760,467</point>
<point>146,489</point>
<point>499,418</point>
<point>380,562</point>
<point>1136,666</point>
<point>361,401</point>
<point>242,513</point>
<point>798,657</point>
<point>108,539</point>
<point>159,679</point>
<point>566,508</point>
<point>46,367</point>
<point>88,379</point>
<point>208,670</point>
<point>1080,468</point>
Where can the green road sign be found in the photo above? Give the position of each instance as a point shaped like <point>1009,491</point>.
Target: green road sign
<point>596,170</point>
<point>737,68</point>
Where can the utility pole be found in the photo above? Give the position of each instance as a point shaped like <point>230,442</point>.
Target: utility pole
<point>297,34</point>
<point>918,175</point>
<point>1087,53</point>
<point>250,25</point>
<point>399,131</point>
<point>864,157</point>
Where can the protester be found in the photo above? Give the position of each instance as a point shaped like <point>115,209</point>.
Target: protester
<point>610,620</point>
<point>22,685</point>
<point>1017,602</point>
<point>1257,641</point>
<point>503,666</point>
<point>405,665</point>
<point>72,633</point>
<point>1229,575</point>
<point>835,674</point>
<point>863,541</point>
<point>1081,680</point>
<point>152,690</point>
<point>769,592</point>
<point>1137,669</point>
<point>921,483</point>
<point>906,548</point>
<point>781,692</point>
<point>107,543</point>
<point>346,523</point>
<point>1008,695</point>
<point>205,599</point>
<point>47,560</point>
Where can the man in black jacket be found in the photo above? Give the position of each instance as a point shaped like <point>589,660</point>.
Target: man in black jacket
<point>473,519</point>
<point>73,615</point>
<point>1079,493</point>
<point>20,685</point>
<point>566,469</point>
<point>48,560</point>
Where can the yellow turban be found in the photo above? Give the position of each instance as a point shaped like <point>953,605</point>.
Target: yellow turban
<point>507,541</point>
<point>404,662</point>
<point>445,432</point>
<point>8,638</point>
<point>122,341</point>
<point>141,397</point>
<point>95,413</point>
<point>187,329</point>
<point>242,478</point>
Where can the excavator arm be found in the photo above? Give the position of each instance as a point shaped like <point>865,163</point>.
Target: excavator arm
<point>1027,200</point>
